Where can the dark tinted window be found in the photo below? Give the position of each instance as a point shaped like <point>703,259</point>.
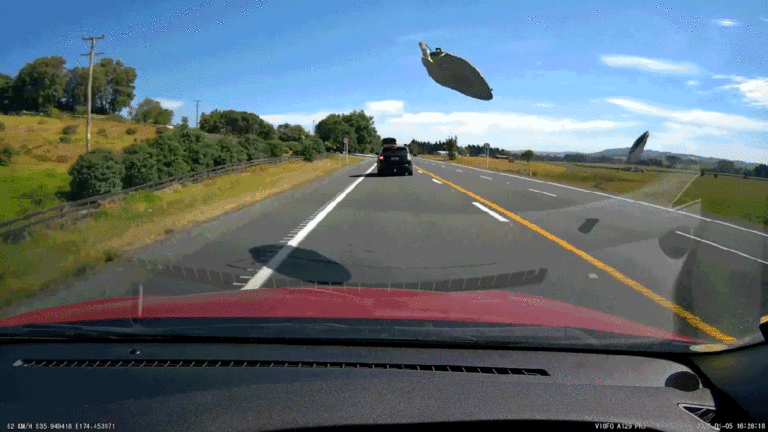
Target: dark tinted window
<point>394,151</point>
<point>389,141</point>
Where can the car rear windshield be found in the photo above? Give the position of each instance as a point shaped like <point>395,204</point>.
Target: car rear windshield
<point>389,141</point>
<point>394,151</point>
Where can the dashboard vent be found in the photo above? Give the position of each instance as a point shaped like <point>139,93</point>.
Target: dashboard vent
<point>704,413</point>
<point>275,364</point>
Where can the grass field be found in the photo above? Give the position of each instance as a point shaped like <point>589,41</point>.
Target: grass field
<point>37,176</point>
<point>52,256</point>
<point>603,179</point>
<point>729,197</point>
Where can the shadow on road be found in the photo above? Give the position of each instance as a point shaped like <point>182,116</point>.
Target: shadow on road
<point>302,264</point>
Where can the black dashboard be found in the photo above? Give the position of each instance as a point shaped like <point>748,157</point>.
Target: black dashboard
<point>145,386</point>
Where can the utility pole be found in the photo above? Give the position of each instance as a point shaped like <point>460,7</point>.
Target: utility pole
<point>197,110</point>
<point>90,81</point>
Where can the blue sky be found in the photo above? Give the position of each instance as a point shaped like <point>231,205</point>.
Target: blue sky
<point>567,76</point>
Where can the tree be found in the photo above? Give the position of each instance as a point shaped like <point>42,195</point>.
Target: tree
<point>527,155</point>
<point>287,132</point>
<point>170,156</point>
<point>575,157</point>
<point>451,145</point>
<point>184,121</point>
<point>140,162</point>
<point>150,111</point>
<point>237,123</point>
<point>40,84</point>
<point>725,166</point>
<point>358,127</point>
<point>6,93</point>
<point>760,171</point>
<point>672,160</point>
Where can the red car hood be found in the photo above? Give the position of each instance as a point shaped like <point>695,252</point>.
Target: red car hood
<point>352,303</point>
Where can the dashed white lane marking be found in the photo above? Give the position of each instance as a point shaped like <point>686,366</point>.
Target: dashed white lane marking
<point>437,181</point>
<point>459,171</point>
<point>620,198</point>
<point>490,212</point>
<point>486,177</point>
<point>722,247</point>
<point>592,276</point>
<point>262,275</point>
<point>545,193</point>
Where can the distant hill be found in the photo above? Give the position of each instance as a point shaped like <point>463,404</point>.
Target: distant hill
<point>647,154</point>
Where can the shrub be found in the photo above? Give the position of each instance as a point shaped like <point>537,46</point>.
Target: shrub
<point>254,147</point>
<point>62,158</point>
<point>53,113</point>
<point>102,132</point>
<point>6,153</point>
<point>131,131</point>
<point>2,126</point>
<point>229,151</point>
<point>81,110</point>
<point>97,172</point>
<point>200,153</point>
<point>161,130</point>
<point>116,118</point>
<point>41,158</point>
<point>170,155</point>
<point>140,165</point>
<point>69,129</point>
<point>65,139</point>
<point>275,148</point>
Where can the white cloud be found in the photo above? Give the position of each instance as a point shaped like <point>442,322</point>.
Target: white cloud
<point>700,117</point>
<point>387,106</point>
<point>480,122</point>
<point>170,103</point>
<point>692,82</point>
<point>654,65</point>
<point>764,19</point>
<point>755,90</point>
<point>304,120</point>
<point>544,105</point>
<point>725,22</point>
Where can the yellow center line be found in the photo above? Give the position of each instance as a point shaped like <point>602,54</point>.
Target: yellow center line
<point>679,310</point>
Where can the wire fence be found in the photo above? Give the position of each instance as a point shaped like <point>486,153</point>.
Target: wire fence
<point>15,230</point>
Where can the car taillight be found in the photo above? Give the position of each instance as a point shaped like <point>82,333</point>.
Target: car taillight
<point>409,156</point>
<point>381,157</point>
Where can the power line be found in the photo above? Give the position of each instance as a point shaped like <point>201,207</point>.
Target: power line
<point>90,81</point>
<point>197,110</point>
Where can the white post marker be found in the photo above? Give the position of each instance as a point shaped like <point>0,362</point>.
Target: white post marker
<point>487,162</point>
<point>346,148</point>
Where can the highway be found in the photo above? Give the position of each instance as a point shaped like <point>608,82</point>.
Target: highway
<point>450,227</point>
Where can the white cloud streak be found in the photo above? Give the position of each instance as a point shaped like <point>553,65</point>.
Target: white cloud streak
<point>755,90</point>
<point>653,65</point>
<point>170,103</point>
<point>699,117</point>
<point>725,22</point>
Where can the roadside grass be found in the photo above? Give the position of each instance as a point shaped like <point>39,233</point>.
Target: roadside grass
<point>602,179</point>
<point>22,193</point>
<point>37,175</point>
<point>730,197</point>
<point>52,256</point>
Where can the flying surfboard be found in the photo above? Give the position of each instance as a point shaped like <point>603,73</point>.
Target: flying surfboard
<point>456,73</point>
<point>637,148</point>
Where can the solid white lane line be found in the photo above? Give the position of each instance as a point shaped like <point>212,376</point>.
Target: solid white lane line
<point>266,271</point>
<point>486,177</point>
<point>437,181</point>
<point>722,247</point>
<point>459,171</point>
<point>489,211</point>
<point>620,198</point>
<point>545,193</point>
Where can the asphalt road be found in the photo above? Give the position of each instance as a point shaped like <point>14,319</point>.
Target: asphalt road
<point>451,227</point>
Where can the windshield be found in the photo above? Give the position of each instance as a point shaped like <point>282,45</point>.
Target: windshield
<point>591,175</point>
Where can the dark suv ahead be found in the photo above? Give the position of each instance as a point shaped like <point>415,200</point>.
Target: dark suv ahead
<point>394,158</point>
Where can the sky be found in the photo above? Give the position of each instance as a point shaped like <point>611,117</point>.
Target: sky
<point>566,76</point>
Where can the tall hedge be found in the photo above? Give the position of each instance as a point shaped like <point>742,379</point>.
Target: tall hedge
<point>140,163</point>
<point>170,155</point>
<point>97,172</point>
